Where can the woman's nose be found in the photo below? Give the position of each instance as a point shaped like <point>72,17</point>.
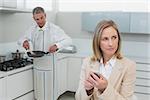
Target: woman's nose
<point>110,42</point>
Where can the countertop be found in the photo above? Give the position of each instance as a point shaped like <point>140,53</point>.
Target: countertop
<point>11,72</point>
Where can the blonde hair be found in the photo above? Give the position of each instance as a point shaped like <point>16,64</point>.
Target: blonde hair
<point>97,36</point>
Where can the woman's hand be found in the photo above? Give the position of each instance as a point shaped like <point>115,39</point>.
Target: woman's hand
<point>88,85</point>
<point>100,83</point>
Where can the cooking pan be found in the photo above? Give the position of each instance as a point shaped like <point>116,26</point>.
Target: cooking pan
<point>36,54</point>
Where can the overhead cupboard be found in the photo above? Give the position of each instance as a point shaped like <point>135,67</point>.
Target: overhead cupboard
<point>8,3</point>
<point>12,6</point>
<point>128,22</point>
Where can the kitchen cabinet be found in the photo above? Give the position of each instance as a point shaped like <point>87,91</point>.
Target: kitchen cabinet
<point>2,88</point>
<point>29,96</point>
<point>8,3</point>
<point>90,20</point>
<point>140,22</point>
<point>128,22</point>
<point>73,73</point>
<point>61,76</point>
<point>19,84</point>
<point>13,6</point>
<point>142,88</point>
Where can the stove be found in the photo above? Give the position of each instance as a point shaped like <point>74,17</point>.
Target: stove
<point>14,64</point>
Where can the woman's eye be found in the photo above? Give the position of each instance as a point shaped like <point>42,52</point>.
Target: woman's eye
<point>105,38</point>
<point>114,37</point>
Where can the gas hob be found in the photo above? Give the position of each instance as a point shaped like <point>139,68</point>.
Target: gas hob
<point>14,64</point>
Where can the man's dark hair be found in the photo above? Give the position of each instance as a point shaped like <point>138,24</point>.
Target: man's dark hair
<point>38,10</point>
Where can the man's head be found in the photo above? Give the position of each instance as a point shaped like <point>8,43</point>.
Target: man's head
<point>39,16</point>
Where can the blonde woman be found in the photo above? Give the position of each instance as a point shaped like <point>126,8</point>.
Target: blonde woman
<point>107,75</point>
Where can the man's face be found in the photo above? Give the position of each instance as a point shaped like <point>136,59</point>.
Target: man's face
<point>40,19</point>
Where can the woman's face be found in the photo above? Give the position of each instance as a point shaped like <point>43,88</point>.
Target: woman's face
<point>109,42</point>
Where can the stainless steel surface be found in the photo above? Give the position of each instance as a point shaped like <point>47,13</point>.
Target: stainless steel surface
<point>2,58</point>
<point>69,49</point>
<point>17,55</point>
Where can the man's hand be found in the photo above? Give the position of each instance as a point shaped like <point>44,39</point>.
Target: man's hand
<point>53,49</point>
<point>26,45</point>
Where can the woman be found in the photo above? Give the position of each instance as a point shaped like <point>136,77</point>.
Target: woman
<point>116,74</point>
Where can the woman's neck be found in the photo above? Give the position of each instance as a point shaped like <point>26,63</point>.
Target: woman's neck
<point>106,59</point>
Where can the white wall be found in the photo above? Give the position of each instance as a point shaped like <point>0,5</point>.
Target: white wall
<point>71,23</point>
<point>14,25</point>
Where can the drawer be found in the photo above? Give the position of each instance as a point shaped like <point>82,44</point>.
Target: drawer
<point>19,84</point>
<point>143,67</point>
<point>142,82</point>
<point>142,96</point>
<point>142,89</point>
<point>143,74</point>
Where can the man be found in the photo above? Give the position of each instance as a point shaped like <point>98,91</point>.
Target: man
<point>44,36</point>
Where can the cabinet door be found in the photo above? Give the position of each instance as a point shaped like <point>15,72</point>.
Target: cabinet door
<point>29,96</point>
<point>121,19</point>
<point>90,20</point>
<point>142,88</point>
<point>2,89</point>
<point>73,73</point>
<point>19,84</point>
<point>61,76</point>
<point>139,23</point>
<point>1,3</point>
<point>10,3</point>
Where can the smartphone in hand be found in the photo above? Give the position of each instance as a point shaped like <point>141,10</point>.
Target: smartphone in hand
<point>96,75</point>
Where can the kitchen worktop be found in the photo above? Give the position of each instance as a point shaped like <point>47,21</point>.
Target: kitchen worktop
<point>8,73</point>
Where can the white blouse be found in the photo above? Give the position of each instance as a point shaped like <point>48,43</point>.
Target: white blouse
<point>106,69</point>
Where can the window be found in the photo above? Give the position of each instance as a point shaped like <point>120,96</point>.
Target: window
<point>103,5</point>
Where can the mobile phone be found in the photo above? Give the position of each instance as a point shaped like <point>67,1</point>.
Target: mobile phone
<point>96,75</point>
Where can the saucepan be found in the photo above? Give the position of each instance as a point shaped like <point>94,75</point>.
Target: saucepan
<point>2,58</point>
<point>36,54</point>
<point>17,55</point>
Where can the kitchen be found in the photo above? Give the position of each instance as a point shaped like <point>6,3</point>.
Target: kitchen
<point>75,22</point>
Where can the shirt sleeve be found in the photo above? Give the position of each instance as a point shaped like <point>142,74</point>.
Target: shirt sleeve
<point>81,92</point>
<point>27,36</point>
<point>61,39</point>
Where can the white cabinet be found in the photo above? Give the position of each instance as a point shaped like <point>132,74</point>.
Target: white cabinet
<point>19,84</point>
<point>142,88</point>
<point>73,73</point>
<point>29,96</point>
<point>67,73</point>
<point>8,3</point>
<point>61,76</point>
<point>2,89</point>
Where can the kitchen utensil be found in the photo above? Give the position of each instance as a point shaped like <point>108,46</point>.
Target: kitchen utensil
<point>2,58</point>
<point>36,54</point>
<point>17,55</point>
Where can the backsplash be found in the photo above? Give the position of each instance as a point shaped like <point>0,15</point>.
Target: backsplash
<point>8,48</point>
